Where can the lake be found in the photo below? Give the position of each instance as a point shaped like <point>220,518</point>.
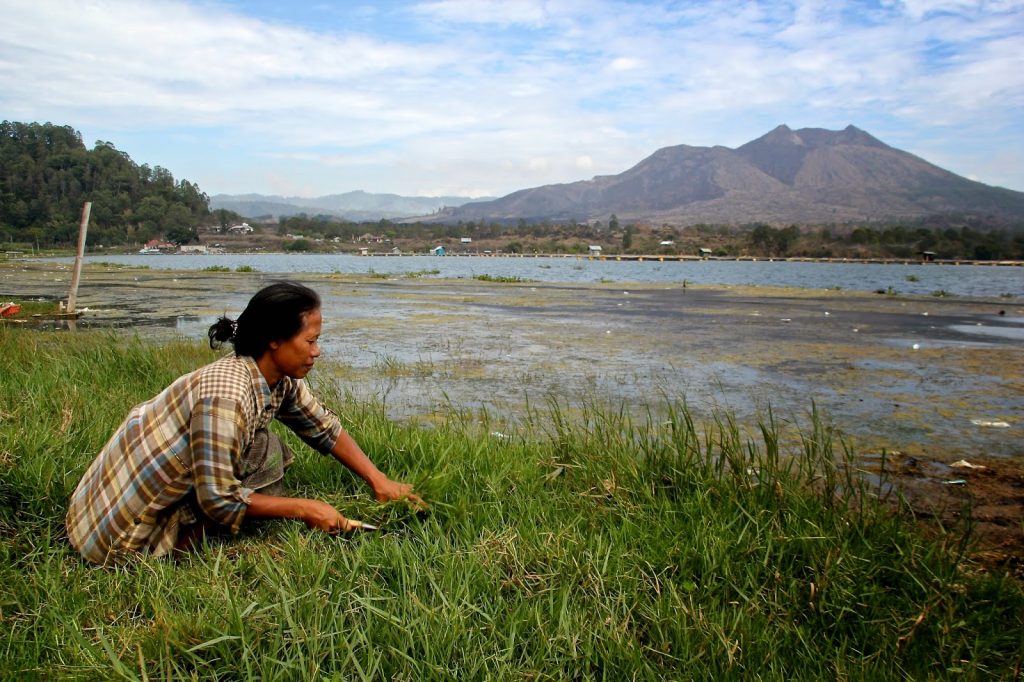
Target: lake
<point>917,278</point>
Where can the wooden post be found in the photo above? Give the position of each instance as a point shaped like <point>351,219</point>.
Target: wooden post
<point>82,228</point>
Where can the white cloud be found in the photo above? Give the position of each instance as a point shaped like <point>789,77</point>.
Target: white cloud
<point>624,64</point>
<point>497,96</point>
<point>500,12</point>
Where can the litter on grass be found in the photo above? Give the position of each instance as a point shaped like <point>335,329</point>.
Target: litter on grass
<point>999,424</point>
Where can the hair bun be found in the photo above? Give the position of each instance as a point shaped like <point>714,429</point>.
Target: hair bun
<point>222,330</point>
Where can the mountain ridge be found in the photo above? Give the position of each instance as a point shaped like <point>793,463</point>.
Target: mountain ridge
<point>356,205</point>
<point>810,175</point>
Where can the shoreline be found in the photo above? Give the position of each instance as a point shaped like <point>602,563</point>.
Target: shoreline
<point>22,256</point>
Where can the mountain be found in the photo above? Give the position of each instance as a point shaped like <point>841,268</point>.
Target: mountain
<point>809,175</point>
<point>356,206</point>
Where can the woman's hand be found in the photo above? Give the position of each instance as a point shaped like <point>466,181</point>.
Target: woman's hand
<point>313,513</point>
<point>322,516</point>
<point>390,491</point>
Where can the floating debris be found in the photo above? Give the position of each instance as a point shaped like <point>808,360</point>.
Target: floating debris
<point>964,464</point>
<point>996,423</point>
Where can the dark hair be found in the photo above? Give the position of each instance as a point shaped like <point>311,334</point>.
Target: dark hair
<point>276,312</point>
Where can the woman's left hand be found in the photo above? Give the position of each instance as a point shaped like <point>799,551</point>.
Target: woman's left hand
<point>390,491</point>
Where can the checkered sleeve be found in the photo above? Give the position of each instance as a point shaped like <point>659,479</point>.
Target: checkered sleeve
<point>308,418</point>
<point>216,437</point>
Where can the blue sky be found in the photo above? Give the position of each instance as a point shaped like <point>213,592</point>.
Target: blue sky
<point>482,97</point>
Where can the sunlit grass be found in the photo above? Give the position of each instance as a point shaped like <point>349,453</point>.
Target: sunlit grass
<point>580,543</point>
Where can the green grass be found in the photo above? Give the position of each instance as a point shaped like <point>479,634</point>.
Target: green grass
<point>580,542</point>
<point>30,307</point>
<point>413,274</point>
<point>118,266</point>
<point>499,278</point>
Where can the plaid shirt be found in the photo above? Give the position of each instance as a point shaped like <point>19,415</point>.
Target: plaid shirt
<point>188,438</point>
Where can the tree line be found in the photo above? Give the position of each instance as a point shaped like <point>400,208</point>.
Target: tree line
<point>942,237</point>
<point>47,173</point>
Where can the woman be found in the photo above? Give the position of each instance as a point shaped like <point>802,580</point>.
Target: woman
<point>198,455</point>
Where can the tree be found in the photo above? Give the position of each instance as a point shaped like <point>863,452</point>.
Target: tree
<point>150,212</point>
<point>182,235</point>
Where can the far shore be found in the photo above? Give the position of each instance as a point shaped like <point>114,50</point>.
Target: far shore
<point>630,257</point>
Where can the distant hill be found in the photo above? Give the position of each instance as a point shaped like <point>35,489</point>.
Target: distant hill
<point>809,175</point>
<point>47,174</point>
<point>355,206</point>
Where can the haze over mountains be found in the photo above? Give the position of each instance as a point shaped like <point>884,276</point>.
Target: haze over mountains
<point>355,206</point>
<point>810,175</point>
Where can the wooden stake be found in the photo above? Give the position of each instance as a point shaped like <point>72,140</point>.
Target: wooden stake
<point>82,228</point>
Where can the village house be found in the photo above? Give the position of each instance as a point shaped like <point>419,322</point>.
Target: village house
<point>157,246</point>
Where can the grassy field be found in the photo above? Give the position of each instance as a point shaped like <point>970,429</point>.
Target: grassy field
<point>582,544</point>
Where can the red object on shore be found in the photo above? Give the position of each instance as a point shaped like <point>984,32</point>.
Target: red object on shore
<point>9,309</point>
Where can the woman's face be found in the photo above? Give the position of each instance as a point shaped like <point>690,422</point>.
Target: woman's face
<point>294,357</point>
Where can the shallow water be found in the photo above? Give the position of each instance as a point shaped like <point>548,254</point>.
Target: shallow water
<point>426,345</point>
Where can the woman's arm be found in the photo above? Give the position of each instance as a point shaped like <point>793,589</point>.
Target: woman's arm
<point>313,513</point>
<point>304,414</point>
<point>348,452</point>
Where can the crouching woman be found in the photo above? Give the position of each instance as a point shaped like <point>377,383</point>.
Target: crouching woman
<point>198,456</point>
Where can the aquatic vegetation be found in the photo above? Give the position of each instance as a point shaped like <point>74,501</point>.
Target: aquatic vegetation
<point>421,273</point>
<point>579,542</point>
<point>499,278</point>
<point>246,268</point>
<point>117,266</point>
<point>217,268</point>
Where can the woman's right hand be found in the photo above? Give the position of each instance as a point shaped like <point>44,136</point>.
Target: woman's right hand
<point>322,516</point>
<point>313,513</point>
